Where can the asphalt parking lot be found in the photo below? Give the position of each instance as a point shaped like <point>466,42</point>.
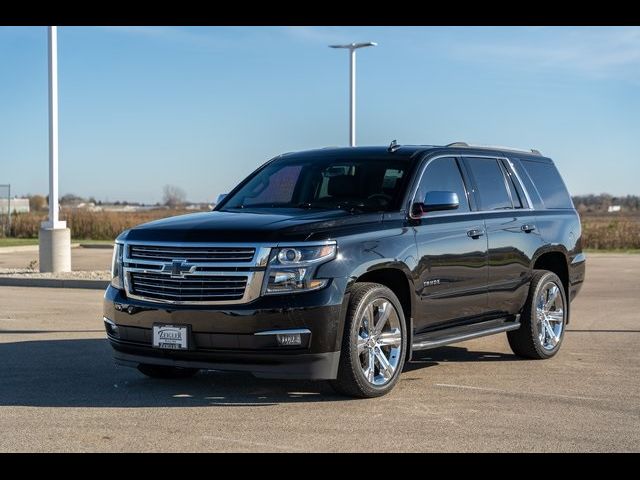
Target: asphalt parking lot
<point>59,390</point>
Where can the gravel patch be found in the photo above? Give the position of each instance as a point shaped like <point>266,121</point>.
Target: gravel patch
<point>76,275</point>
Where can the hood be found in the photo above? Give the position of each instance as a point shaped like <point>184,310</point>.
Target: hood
<point>244,226</point>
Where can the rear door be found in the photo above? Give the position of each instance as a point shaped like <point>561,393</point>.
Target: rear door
<point>451,275</point>
<point>511,228</point>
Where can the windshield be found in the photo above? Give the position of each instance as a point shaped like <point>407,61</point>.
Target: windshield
<point>322,183</point>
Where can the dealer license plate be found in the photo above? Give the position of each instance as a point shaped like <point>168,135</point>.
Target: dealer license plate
<point>172,337</point>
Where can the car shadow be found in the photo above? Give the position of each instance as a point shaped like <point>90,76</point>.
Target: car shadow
<point>81,373</point>
<point>430,358</point>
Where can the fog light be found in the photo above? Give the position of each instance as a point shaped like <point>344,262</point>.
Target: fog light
<point>112,328</point>
<point>288,339</point>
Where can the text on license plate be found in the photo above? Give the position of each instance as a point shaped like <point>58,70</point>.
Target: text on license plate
<point>173,337</point>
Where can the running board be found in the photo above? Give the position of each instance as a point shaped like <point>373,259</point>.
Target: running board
<point>461,334</point>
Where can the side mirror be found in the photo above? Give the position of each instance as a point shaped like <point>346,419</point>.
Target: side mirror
<point>435,201</point>
<point>220,197</point>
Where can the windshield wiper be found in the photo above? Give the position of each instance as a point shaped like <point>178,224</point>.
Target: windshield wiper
<point>353,208</point>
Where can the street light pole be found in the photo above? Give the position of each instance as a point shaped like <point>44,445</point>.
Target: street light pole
<point>352,97</point>
<point>55,238</point>
<point>53,130</point>
<point>352,85</point>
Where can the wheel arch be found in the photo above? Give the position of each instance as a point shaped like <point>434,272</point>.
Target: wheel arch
<point>397,277</point>
<point>555,260</point>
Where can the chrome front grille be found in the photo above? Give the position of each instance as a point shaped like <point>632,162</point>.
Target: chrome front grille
<point>191,254</point>
<point>195,288</point>
<point>194,273</point>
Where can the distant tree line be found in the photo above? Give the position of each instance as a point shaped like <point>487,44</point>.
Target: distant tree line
<point>601,203</point>
<point>172,196</point>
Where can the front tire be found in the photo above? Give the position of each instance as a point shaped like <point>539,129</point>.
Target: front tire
<point>373,344</point>
<point>543,318</point>
<point>162,371</point>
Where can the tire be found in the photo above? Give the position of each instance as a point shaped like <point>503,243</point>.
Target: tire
<point>532,339</point>
<point>162,371</point>
<point>355,377</point>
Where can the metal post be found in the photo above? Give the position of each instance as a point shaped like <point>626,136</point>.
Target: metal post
<point>55,237</point>
<point>9,210</point>
<point>53,128</point>
<point>352,97</point>
<point>352,85</point>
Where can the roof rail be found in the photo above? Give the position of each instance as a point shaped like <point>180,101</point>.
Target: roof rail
<point>494,147</point>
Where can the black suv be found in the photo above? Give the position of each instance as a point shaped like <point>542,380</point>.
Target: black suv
<point>339,263</point>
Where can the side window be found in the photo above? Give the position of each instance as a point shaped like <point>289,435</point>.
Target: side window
<point>513,191</point>
<point>443,174</point>
<point>549,184</point>
<point>527,183</point>
<point>492,189</point>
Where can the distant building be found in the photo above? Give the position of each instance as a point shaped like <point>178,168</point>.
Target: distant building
<point>614,208</point>
<point>18,205</point>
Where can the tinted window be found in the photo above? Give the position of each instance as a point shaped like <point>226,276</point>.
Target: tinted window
<point>370,184</point>
<point>278,188</point>
<point>516,182</point>
<point>515,195</point>
<point>527,183</point>
<point>443,174</point>
<point>549,184</point>
<point>492,190</point>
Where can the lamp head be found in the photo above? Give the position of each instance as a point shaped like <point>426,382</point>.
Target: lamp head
<point>355,46</point>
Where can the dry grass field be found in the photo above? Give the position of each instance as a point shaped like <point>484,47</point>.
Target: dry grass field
<point>601,231</point>
<point>613,231</point>
<point>90,225</point>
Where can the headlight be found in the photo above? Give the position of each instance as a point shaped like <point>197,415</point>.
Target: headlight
<point>291,269</point>
<point>116,267</point>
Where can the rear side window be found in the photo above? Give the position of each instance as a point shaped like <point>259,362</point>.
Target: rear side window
<point>549,184</point>
<point>490,182</point>
<point>513,191</point>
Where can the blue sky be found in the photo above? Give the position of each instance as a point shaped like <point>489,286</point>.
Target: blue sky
<point>201,107</point>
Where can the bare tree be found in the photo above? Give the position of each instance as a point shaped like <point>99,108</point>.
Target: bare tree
<point>173,196</point>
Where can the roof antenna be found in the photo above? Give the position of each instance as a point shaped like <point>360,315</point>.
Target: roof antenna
<point>393,146</point>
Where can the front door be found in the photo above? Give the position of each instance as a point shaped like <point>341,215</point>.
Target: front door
<point>451,276</point>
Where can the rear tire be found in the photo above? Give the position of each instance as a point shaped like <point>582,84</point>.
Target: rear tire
<point>162,371</point>
<point>373,343</point>
<point>543,318</point>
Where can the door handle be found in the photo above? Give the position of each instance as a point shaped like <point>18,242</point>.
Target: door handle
<point>475,233</point>
<point>527,228</point>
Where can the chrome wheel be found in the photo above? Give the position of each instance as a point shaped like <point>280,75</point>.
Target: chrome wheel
<point>379,341</point>
<point>550,315</point>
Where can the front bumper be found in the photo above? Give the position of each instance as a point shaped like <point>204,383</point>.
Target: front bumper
<point>318,366</point>
<point>225,337</point>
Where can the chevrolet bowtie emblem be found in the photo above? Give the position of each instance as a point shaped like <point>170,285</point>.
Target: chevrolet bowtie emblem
<point>179,268</point>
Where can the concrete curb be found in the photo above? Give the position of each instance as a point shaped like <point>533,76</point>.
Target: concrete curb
<point>54,283</point>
